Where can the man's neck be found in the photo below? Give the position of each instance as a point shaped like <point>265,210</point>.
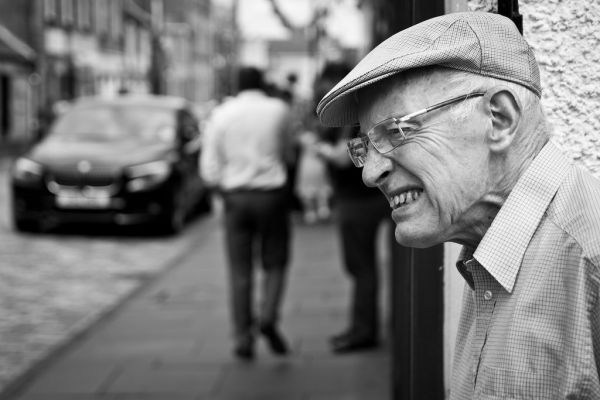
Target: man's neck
<point>507,170</point>
<point>478,221</point>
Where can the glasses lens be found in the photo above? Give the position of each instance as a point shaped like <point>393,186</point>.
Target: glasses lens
<point>357,149</point>
<point>386,136</point>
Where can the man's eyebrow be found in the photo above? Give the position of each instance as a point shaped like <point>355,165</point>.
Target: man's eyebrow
<point>413,122</point>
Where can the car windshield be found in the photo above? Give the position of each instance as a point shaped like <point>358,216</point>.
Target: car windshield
<point>110,123</point>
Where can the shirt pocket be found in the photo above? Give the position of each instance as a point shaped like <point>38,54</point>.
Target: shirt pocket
<point>499,383</point>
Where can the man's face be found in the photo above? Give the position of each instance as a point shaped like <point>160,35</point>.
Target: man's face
<point>437,178</point>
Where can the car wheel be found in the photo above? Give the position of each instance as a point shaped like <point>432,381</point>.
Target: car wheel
<point>175,219</point>
<point>203,205</point>
<point>26,225</point>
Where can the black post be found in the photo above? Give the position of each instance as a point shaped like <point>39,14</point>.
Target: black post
<point>417,281</point>
<point>417,323</point>
<point>510,9</point>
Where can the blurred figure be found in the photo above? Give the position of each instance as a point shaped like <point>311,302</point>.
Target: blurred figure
<point>359,213</point>
<point>289,89</point>
<point>246,151</point>
<point>312,186</point>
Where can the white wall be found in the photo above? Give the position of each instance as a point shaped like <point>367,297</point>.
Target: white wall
<point>453,290</point>
<point>565,36</point>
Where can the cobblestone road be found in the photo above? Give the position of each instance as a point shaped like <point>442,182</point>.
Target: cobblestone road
<point>53,285</point>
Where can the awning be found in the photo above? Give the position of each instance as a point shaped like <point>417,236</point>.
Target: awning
<point>14,49</point>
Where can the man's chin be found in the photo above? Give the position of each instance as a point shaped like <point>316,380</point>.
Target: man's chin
<point>413,239</point>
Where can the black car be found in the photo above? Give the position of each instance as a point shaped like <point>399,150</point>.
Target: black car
<point>125,160</point>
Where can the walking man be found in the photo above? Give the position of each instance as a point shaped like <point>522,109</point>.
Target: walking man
<point>245,155</point>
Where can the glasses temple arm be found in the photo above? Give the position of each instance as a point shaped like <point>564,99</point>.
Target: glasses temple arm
<point>439,105</point>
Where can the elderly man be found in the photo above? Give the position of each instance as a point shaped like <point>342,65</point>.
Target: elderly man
<point>456,139</point>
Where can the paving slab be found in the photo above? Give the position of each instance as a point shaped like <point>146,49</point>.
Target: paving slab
<point>167,381</point>
<point>173,339</point>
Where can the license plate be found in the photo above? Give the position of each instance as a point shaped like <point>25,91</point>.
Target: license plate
<point>78,199</point>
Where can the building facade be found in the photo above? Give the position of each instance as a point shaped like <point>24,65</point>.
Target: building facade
<point>18,76</point>
<point>53,51</point>
<point>188,41</point>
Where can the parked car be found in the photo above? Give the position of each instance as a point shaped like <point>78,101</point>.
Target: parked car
<point>125,160</point>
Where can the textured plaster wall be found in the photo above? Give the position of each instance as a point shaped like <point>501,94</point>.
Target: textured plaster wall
<point>565,36</point>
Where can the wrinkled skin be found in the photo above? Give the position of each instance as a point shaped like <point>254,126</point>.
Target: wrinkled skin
<point>448,158</point>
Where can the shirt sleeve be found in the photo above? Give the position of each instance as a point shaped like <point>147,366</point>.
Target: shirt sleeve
<point>211,158</point>
<point>594,282</point>
<point>288,139</point>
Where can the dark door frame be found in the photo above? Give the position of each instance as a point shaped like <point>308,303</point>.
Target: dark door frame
<point>5,106</point>
<point>417,289</point>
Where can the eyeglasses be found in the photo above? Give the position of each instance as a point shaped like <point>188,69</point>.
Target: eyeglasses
<point>387,135</point>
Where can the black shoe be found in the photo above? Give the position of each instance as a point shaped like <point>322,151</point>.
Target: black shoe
<point>340,337</point>
<point>276,341</point>
<point>354,343</point>
<point>244,351</point>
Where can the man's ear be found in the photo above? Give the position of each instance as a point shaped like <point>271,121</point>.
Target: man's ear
<point>505,115</point>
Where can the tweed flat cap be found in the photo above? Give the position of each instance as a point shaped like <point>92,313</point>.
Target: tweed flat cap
<point>479,42</point>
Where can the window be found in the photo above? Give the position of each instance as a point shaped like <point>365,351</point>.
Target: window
<point>50,10</point>
<point>84,20</point>
<point>101,16</point>
<point>114,123</point>
<point>116,18</point>
<point>66,11</point>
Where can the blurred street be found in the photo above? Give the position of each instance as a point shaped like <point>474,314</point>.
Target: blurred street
<point>106,107</point>
<point>54,285</point>
<point>107,111</point>
<point>171,340</point>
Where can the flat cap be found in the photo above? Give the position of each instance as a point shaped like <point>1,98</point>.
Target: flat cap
<point>479,42</point>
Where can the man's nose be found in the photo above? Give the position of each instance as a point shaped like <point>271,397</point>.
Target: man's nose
<point>376,168</point>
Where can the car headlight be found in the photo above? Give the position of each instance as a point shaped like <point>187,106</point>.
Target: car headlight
<point>147,176</point>
<point>27,171</point>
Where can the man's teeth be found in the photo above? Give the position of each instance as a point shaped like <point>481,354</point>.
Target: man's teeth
<point>405,198</point>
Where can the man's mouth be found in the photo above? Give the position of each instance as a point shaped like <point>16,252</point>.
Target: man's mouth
<point>405,198</point>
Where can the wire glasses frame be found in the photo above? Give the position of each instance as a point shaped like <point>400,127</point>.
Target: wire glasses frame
<point>387,135</point>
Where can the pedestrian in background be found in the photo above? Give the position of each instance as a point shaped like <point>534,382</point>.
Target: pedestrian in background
<point>457,141</point>
<point>312,184</point>
<point>359,213</point>
<point>245,157</point>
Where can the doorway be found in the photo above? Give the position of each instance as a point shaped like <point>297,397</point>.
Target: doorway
<point>5,107</point>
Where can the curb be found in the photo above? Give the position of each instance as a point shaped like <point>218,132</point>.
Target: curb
<point>84,328</point>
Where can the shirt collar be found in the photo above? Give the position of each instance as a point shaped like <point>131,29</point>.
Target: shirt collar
<point>466,254</point>
<point>503,246</point>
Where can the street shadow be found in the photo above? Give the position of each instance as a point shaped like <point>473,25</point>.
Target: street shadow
<point>114,230</point>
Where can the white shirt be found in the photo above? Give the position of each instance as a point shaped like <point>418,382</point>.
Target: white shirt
<point>246,143</point>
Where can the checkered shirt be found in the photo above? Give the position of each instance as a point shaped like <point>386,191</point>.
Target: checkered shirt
<point>530,323</point>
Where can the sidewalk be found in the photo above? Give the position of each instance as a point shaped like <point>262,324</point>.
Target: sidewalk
<point>172,342</point>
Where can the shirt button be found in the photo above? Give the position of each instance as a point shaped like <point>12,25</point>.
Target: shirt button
<point>488,295</point>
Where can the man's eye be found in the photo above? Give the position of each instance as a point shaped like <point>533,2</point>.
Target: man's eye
<point>407,130</point>
<point>394,131</point>
<point>399,132</point>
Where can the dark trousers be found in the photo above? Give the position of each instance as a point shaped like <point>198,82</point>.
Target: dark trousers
<point>359,220</point>
<point>256,226</point>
